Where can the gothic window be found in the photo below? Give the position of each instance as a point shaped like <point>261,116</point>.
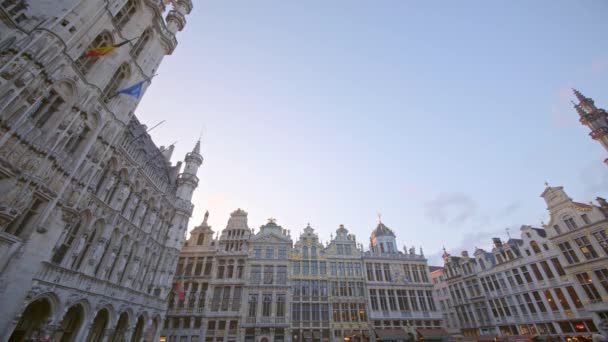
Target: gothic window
<point>51,105</point>
<point>19,225</point>
<point>120,75</point>
<point>142,42</point>
<point>84,63</point>
<point>67,242</point>
<point>78,135</point>
<point>125,14</point>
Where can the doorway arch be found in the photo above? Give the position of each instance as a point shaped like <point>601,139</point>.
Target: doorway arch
<point>32,319</point>
<point>100,323</point>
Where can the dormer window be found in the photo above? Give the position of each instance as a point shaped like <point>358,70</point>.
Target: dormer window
<point>200,240</point>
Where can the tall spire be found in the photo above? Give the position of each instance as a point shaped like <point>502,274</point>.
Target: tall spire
<point>580,97</point>
<point>585,104</point>
<point>197,147</point>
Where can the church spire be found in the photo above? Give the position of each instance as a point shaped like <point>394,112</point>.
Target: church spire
<point>594,118</point>
<point>197,147</point>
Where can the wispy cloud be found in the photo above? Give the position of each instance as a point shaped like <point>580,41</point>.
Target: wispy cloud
<point>451,208</point>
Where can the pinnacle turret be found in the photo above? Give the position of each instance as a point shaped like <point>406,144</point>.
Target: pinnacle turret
<point>197,147</point>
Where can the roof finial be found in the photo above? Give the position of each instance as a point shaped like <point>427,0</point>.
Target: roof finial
<point>508,234</point>
<point>379,217</point>
<point>546,184</point>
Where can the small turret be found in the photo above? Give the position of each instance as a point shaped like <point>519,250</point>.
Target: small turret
<point>176,19</point>
<point>594,118</point>
<point>187,180</point>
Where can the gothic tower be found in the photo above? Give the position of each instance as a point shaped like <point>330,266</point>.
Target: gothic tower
<point>92,212</point>
<point>594,118</point>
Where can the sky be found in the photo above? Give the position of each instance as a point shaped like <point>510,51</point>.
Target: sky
<point>446,117</point>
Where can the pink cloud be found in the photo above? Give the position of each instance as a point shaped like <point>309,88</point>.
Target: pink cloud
<point>599,66</point>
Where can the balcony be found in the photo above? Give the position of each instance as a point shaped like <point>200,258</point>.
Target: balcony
<point>54,274</point>
<point>266,321</point>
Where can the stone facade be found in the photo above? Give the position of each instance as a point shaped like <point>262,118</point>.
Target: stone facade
<point>302,291</point>
<point>552,281</point>
<point>92,213</point>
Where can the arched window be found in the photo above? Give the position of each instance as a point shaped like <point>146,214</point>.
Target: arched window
<point>141,43</point>
<point>313,252</point>
<point>305,252</point>
<point>535,247</point>
<point>67,242</point>
<point>85,63</point>
<point>570,222</point>
<point>125,14</point>
<point>122,73</point>
<point>89,241</point>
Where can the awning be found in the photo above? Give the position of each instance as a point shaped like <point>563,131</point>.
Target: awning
<point>355,333</point>
<point>391,334</point>
<point>433,334</point>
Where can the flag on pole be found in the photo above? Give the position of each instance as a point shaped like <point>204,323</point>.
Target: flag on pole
<point>104,50</point>
<point>179,288</point>
<point>134,90</point>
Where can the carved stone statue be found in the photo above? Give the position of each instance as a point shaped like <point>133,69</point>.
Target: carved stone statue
<point>108,186</point>
<point>123,193</point>
<point>134,268</point>
<point>80,245</point>
<point>412,250</point>
<point>110,261</point>
<point>13,69</point>
<point>98,252</point>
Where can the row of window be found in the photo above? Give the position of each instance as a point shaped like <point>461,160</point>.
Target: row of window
<point>349,312</point>
<point>266,305</point>
<point>587,283</point>
<point>268,272</point>
<point>401,300</point>
<point>585,246</point>
<point>382,272</point>
<point>200,266</point>
<point>270,253</point>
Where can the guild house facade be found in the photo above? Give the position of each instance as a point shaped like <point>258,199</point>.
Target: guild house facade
<point>264,286</point>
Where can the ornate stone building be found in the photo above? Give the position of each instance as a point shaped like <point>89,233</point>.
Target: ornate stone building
<point>92,213</point>
<point>552,281</point>
<point>305,291</point>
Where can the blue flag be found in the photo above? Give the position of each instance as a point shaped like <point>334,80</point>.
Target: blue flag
<point>134,90</point>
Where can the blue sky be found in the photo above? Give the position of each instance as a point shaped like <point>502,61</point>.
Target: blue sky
<point>446,117</point>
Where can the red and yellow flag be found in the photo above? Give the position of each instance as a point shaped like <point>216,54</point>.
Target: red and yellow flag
<point>104,50</point>
<point>179,288</point>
